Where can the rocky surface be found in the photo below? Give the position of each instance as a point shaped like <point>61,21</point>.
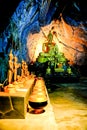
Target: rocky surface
<point>67,38</point>
<point>31,16</point>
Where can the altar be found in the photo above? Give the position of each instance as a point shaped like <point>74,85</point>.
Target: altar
<point>15,115</point>
<point>14,104</point>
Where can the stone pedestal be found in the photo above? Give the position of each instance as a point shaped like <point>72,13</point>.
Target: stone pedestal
<point>44,121</point>
<point>14,105</point>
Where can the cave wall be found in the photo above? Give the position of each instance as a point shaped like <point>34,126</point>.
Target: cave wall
<point>70,41</point>
<point>24,31</point>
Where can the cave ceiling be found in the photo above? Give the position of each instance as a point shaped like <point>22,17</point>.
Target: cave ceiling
<point>76,9</point>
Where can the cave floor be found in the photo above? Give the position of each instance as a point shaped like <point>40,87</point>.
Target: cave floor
<point>66,110</point>
<point>69,103</point>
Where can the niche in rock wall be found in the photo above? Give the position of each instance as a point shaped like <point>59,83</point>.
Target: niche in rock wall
<point>49,55</point>
<point>68,38</point>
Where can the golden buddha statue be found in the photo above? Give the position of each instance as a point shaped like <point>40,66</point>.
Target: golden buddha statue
<point>10,70</point>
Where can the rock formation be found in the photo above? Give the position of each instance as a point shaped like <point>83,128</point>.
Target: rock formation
<point>24,30</point>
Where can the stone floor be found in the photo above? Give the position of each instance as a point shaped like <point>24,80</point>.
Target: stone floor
<point>67,110</point>
<point>69,103</point>
<point>43,121</point>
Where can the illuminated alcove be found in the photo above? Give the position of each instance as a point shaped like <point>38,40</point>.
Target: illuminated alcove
<point>32,21</point>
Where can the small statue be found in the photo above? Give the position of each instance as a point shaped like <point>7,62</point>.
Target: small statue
<point>50,37</point>
<point>16,66</point>
<point>22,69</point>
<point>10,71</point>
<point>69,70</point>
<point>46,46</point>
<point>26,70</point>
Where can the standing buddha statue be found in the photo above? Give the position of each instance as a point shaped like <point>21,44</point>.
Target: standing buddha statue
<point>10,70</point>
<point>16,66</point>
